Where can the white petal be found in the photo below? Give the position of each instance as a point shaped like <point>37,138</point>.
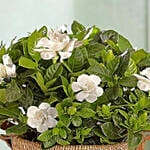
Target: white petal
<point>141,78</point>
<point>32,123</point>
<point>146,72</point>
<point>89,33</point>
<point>51,122</point>
<point>83,78</point>
<point>64,55</point>
<point>52,112</point>
<point>42,128</point>
<point>45,106</point>
<point>143,86</point>
<point>99,91</point>
<point>1,80</point>
<point>70,45</point>
<point>81,96</point>
<point>96,79</point>
<point>41,50</point>
<point>78,44</point>
<point>43,42</point>
<point>3,73</point>
<point>31,111</point>
<point>91,98</point>
<point>75,87</point>
<point>62,28</point>
<point>6,60</point>
<point>48,55</point>
<point>11,70</point>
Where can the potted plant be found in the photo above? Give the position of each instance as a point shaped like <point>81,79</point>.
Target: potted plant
<point>88,89</point>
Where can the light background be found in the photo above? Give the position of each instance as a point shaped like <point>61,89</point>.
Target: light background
<point>130,18</point>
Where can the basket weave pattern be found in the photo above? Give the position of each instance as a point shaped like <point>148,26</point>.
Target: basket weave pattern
<point>22,144</point>
<point>18,143</point>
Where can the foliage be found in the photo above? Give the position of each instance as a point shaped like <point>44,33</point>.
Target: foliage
<point>120,114</point>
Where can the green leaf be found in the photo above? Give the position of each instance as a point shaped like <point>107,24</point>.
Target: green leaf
<point>113,92</point>
<point>43,30</point>
<point>17,129</point>
<point>134,140</point>
<point>78,59</point>
<point>35,36</point>
<point>93,62</point>
<point>62,142</point>
<point>94,49</point>
<point>86,113</point>
<point>132,68</point>
<point>12,112</point>
<point>76,27</point>
<point>11,93</point>
<point>65,84</point>
<point>138,55</point>
<point>110,130</point>
<point>113,65</point>
<point>109,35</point>
<point>50,83</point>
<point>124,114</point>
<point>3,95</point>
<point>45,136</point>
<point>55,131</point>
<point>27,63</point>
<point>86,131</point>
<point>130,81</point>
<point>26,99</point>
<point>2,52</point>
<point>113,46</point>
<point>65,119</point>
<point>40,81</point>
<point>54,71</point>
<point>72,110</point>
<point>123,43</point>
<point>50,142</point>
<point>124,61</point>
<point>144,62</point>
<point>15,55</point>
<point>101,71</point>
<point>63,133</point>
<point>76,121</point>
<point>109,56</point>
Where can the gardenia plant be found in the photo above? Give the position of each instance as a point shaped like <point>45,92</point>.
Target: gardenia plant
<point>88,87</point>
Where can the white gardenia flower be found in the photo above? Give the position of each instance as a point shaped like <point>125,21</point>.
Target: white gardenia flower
<point>3,73</point>
<point>7,69</point>
<point>57,43</point>
<point>87,86</point>
<point>144,82</point>
<point>42,118</point>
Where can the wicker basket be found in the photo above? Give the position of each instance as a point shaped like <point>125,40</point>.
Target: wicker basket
<point>18,143</point>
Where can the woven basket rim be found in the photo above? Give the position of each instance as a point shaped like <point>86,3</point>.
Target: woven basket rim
<point>17,140</point>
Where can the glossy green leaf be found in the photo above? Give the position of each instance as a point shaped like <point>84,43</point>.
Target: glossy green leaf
<point>27,63</point>
<point>76,121</point>
<point>77,27</point>
<point>54,71</point>
<point>101,71</point>
<point>86,113</point>
<point>17,129</point>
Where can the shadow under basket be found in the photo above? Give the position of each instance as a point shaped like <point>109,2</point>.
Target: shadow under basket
<point>18,143</point>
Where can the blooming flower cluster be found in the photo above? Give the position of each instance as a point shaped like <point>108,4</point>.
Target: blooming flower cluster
<point>42,118</point>
<point>88,88</point>
<point>57,43</point>
<point>7,69</point>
